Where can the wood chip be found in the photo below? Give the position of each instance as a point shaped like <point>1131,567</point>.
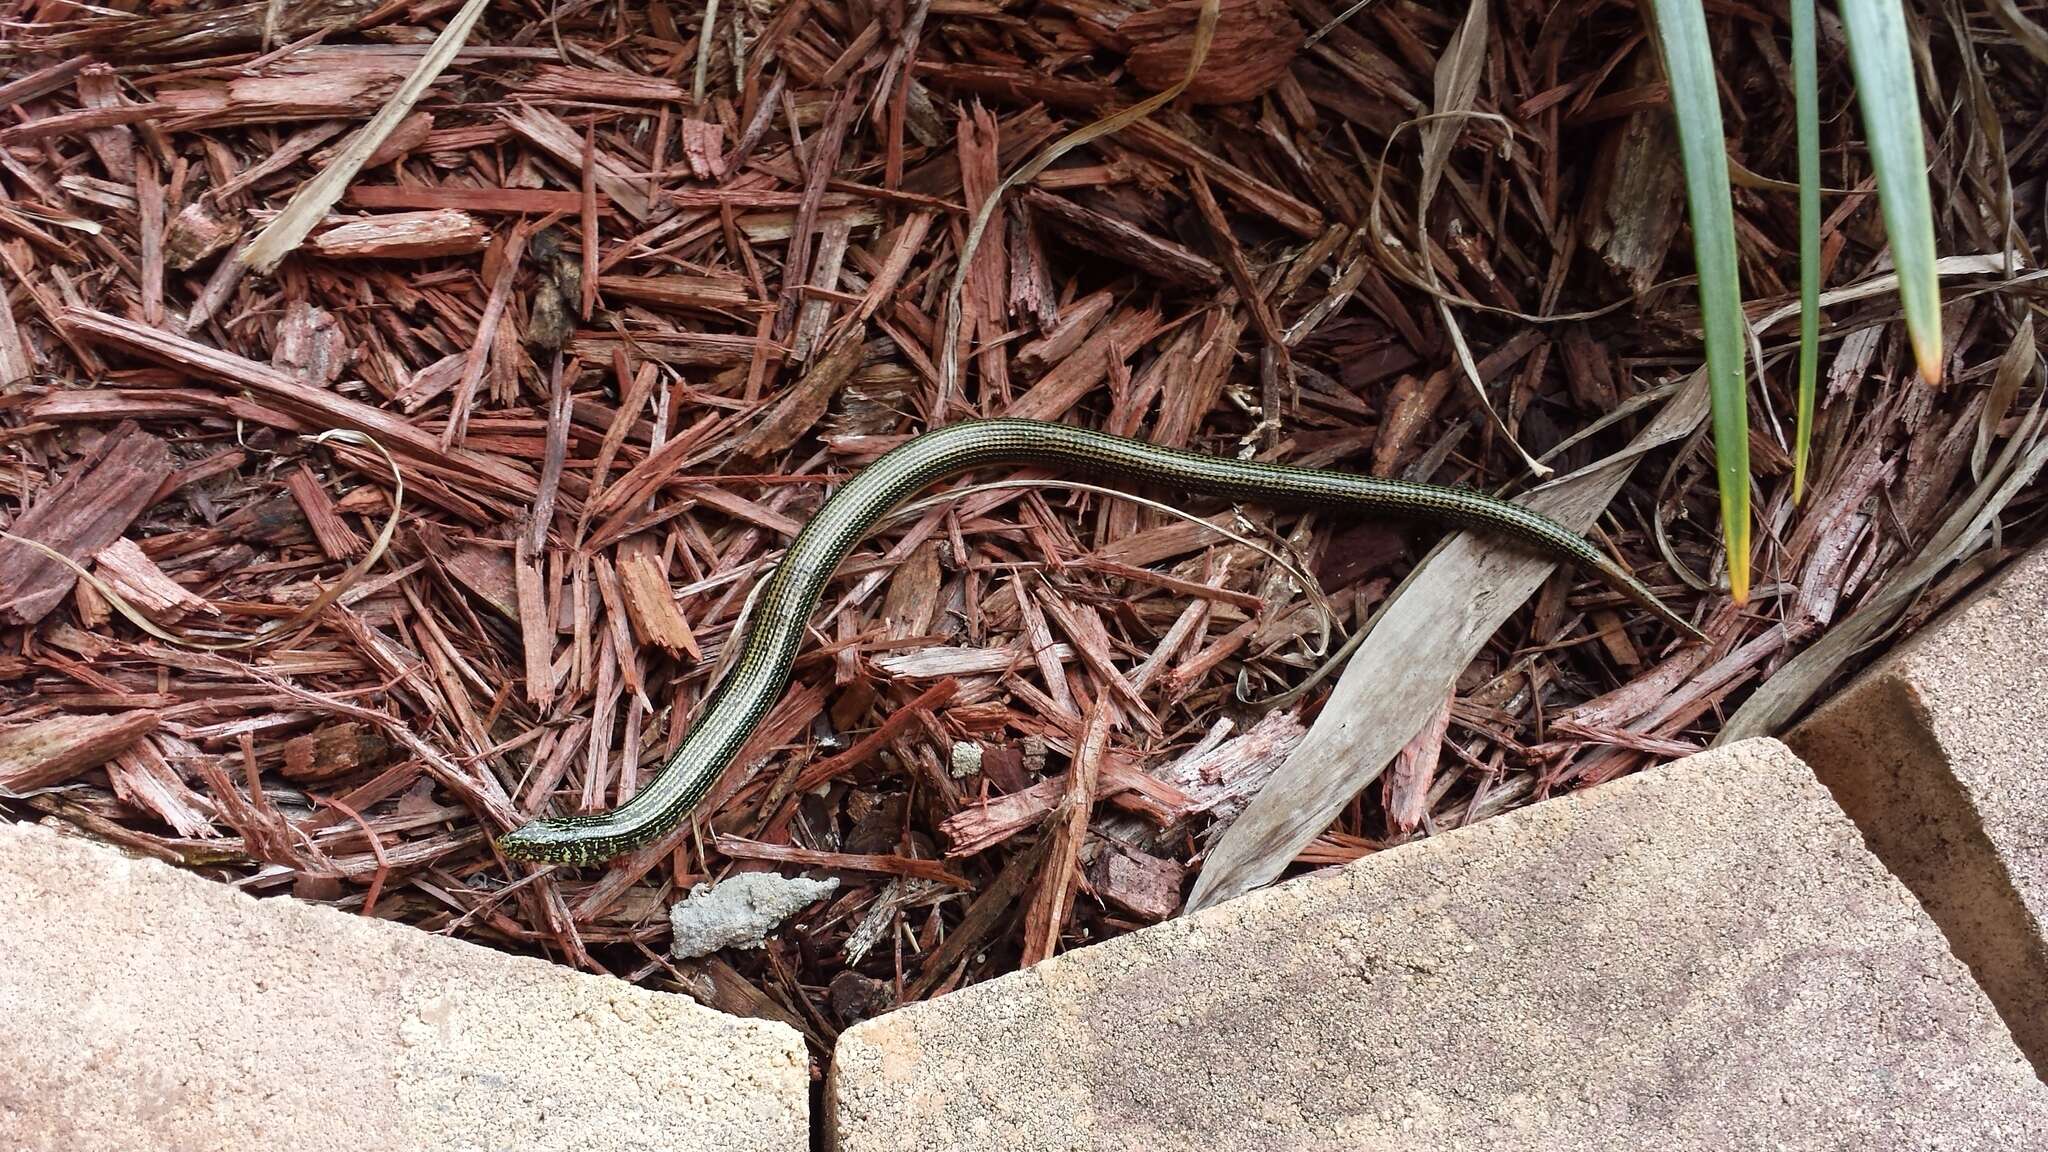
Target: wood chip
<point>404,236</point>
<point>52,751</point>
<point>89,508</point>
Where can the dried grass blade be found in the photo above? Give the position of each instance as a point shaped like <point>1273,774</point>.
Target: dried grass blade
<point>2014,367</point>
<point>1781,697</point>
<point>1420,642</point>
<point>1458,72</point>
<point>311,203</point>
<point>2031,36</point>
<point>1975,264</point>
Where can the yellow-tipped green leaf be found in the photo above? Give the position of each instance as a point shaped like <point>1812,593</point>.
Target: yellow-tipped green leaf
<point>1681,27</point>
<point>1806,111</point>
<point>1880,56</point>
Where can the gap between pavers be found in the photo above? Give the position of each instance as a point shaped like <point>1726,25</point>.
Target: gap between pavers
<point>146,1008</point>
<point>1703,956</point>
<point>1940,754</point>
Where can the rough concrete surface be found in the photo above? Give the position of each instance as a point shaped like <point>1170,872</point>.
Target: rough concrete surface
<point>146,1008</point>
<point>1700,957</point>
<point>1940,753</point>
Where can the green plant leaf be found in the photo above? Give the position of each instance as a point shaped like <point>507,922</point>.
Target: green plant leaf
<point>1681,34</point>
<point>1806,111</point>
<point>1881,58</point>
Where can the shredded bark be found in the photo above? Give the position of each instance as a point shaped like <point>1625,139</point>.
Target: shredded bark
<point>627,298</point>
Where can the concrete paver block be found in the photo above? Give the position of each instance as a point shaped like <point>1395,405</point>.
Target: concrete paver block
<point>1699,957</point>
<point>1940,754</point>
<point>146,1008</point>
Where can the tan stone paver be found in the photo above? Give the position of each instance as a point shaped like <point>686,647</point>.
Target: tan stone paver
<point>1701,957</point>
<point>146,1008</point>
<point>1940,753</point>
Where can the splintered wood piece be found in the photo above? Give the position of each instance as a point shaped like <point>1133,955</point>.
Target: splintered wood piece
<point>982,826</point>
<point>42,81</point>
<point>555,80</point>
<point>80,122</point>
<point>17,363</point>
<point>333,750</point>
<point>1067,828</point>
<point>703,148</point>
<point>412,133</point>
<point>1222,775</point>
<point>99,496</point>
<point>536,628</point>
<point>1144,885</point>
<point>816,310</point>
<point>912,600</point>
<point>130,572</point>
<point>1023,85</point>
<point>142,778</point>
<point>1108,236</point>
<point>53,750</point>
<point>337,93</point>
<point>985,824</point>
<point>149,234</point>
<point>501,267</point>
<point>1255,41</point>
<point>1414,401</point>
<point>487,573</point>
<point>1084,370</point>
<point>427,384</point>
<point>311,345</point>
<point>709,293</point>
<point>1288,211</point>
<point>649,602</point>
<point>1091,641</point>
<point>938,660</point>
<point>404,236</point>
<point>917,711</point>
<point>196,232</point>
<point>337,539</point>
<point>905,245</point>
<point>984,297</point>
<point>528,201</point>
<point>742,849</point>
<point>1414,770</point>
<point>1076,321</point>
<point>551,135</point>
<point>801,406</point>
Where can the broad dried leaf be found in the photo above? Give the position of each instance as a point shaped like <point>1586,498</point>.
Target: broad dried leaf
<point>1420,642</point>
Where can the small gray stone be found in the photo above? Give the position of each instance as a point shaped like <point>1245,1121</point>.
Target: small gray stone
<point>966,758</point>
<point>739,912</point>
